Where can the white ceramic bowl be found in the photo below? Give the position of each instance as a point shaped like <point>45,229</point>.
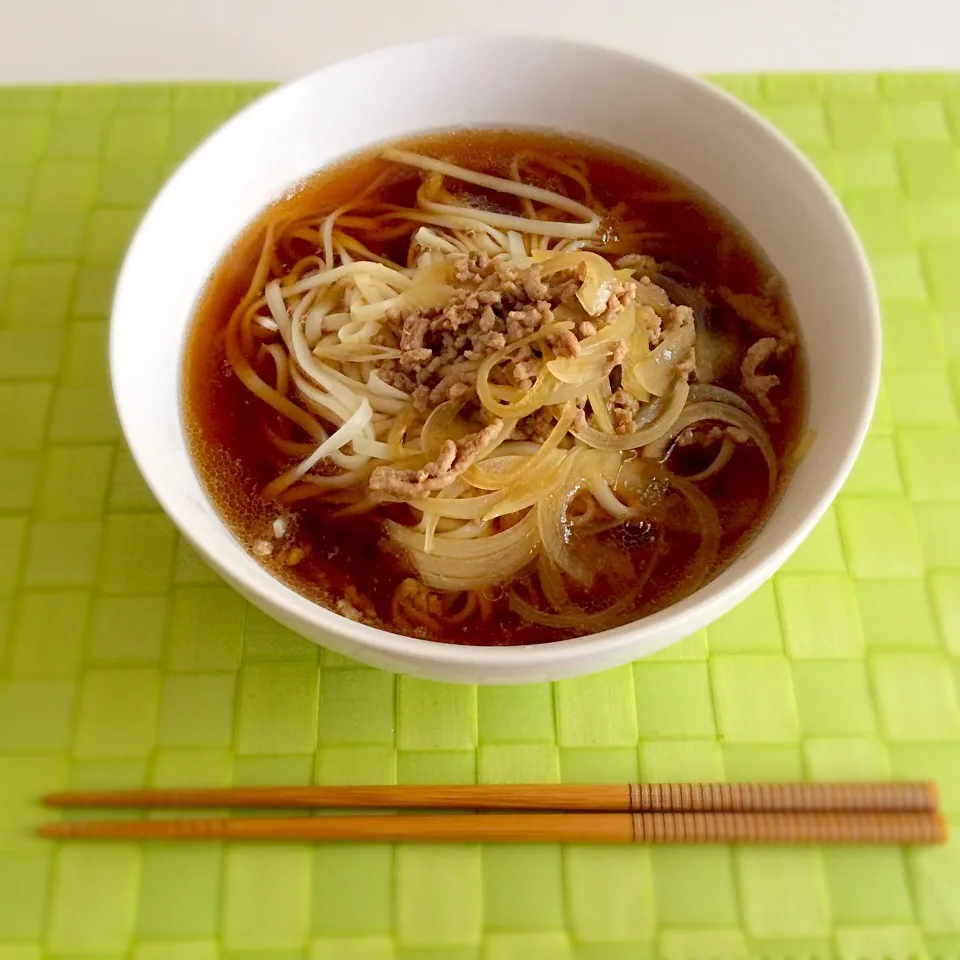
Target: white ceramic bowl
<point>676,120</point>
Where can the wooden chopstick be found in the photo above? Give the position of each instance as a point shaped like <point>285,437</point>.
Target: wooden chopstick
<point>648,828</point>
<point>639,798</point>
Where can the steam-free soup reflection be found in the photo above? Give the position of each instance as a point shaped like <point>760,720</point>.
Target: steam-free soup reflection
<point>494,387</point>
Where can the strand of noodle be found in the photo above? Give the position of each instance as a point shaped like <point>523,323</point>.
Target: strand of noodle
<point>327,233</point>
<point>353,245</point>
<point>505,221</point>
<point>457,222</point>
<point>526,204</point>
<point>328,406</point>
<point>242,368</point>
<point>322,278</point>
<point>291,448</point>
<point>247,335</point>
<point>331,218</point>
<point>350,478</point>
<point>378,386</point>
<point>343,388</point>
<point>280,362</point>
<point>352,428</point>
<point>429,238</point>
<point>571,169</point>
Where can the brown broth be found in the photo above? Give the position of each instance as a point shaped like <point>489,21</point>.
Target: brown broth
<point>224,422</point>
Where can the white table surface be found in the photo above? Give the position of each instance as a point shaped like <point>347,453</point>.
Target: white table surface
<point>56,41</point>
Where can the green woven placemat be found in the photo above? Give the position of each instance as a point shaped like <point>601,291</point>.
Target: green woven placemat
<point>124,661</point>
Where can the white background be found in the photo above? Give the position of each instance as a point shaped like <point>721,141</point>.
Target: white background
<point>48,41</point>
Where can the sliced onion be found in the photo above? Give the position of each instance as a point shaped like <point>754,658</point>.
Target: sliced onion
<point>656,371</point>
<point>643,472</point>
<point>707,391</point>
<point>443,424</point>
<point>578,619</point>
<point>723,457</point>
<point>587,367</point>
<point>651,295</point>
<point>646,435</point>
<point>724,413</point>
<point>602,493</point>
<point>555,527</point>
<point>622,328</point>
<point>535,485</point>
<point>481,476</point>
<point>458,508</point>
<point>457,564</point>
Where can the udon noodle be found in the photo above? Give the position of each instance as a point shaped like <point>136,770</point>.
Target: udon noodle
<point>497,372</point>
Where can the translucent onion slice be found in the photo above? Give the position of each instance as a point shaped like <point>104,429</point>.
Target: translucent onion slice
<point>650,295</point>
<point>700,392</point>
<point>443,424</point>
<point>587,367</point>
<point>555,529</point>
<point>642,473</point>
<point>459,508</point>
<point>723,413</point>
<point>602,493</point>
<point>538,396</point>
<point>656,371</point>
<point>482,477</point>
<point>587,622</point>
<point>646,435</point>
<point>533,488</point>
<point>600,396</point>
<point>411,540</point>
<point>723,457</point>
<point>458,564</point>
<point>621,329</point>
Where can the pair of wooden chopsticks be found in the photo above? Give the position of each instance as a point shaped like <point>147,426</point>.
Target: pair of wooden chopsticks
<point>889,813</point>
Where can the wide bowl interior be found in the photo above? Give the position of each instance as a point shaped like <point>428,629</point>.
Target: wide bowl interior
<point>677,121</point>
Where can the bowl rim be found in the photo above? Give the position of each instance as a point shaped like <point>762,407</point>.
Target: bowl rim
<point>704,604</point>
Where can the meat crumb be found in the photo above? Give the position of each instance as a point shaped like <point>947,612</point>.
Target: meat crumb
<point>623,411</point>
<point>454,458</point>
<point>756,383</point>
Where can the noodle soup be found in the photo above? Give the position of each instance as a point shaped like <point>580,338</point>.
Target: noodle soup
<point>494,387</point>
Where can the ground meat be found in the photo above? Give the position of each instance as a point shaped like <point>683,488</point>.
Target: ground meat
<point>760,312</point>
<point>454,458</point>
<point>537,426</point>
<point>641,264</point>
<point>701,435</point>
<point>497,305</point>
<point>757,383</point>
<point>623,410</point>
<point>564,344</point>
<point>651,320</point>
<point>587,329</point>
